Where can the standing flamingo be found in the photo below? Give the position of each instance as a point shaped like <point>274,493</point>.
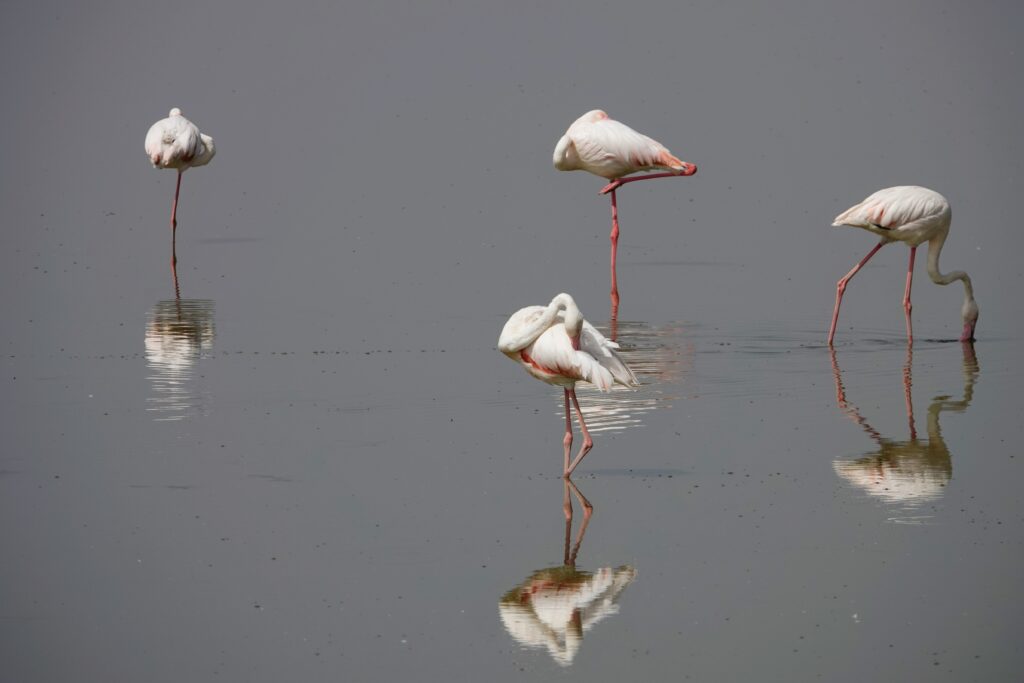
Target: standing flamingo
<point>175,142</point>
<point>607,148</point>
<point>556,345</point>
<point>912,215</point>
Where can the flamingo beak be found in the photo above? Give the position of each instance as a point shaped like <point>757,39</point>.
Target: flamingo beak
<point>968,333</point>
<point>688,168</point>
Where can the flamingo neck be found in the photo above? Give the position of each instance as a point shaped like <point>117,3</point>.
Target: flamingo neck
<point>969,311</point>
<point>528,335</point>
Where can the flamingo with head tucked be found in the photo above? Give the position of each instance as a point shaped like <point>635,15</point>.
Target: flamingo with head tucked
<point>556,345</point>
<point>609,149</point>
<point>911,215</point>
<point>175,142</point>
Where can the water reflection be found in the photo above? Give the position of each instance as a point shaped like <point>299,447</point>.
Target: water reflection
<point>554,607</point>
<point>911,472</point>
<point>178,333</point>
<point>658,356</point>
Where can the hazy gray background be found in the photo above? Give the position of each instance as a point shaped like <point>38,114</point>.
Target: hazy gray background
<point>351,477</point>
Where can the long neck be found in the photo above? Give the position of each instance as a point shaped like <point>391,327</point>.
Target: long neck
<point>527,334</point>
<point>969,311</point>
<point>943,403</point>
<point>934,249</point>
<point>565,157</point>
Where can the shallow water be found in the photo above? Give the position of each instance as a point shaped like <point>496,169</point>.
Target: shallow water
<point>305,459</point>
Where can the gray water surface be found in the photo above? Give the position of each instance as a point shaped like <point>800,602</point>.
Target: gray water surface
<point>308,462</point>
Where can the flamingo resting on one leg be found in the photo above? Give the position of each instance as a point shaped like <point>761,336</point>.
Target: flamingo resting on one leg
<point>912,215</point>
<point>175,142</point>
<point>610,149</point>
<point>556,345</point>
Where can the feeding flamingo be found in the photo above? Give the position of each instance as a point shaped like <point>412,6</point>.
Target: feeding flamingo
<point>175,142</point>
<point>912,215</point>
<point>556,345</point>
<point>609,149</point>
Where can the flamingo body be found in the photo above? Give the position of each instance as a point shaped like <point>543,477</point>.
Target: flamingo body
<point>906,213</point>
<point>551,357</point>
<point>175,142</point>
<point>912,215</point>
<point>610,149</point>
<point>541,344</point>
<point>556,345</point>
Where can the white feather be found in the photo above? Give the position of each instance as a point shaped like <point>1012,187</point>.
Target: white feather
<point>175,142</point>
<point>610,149</point>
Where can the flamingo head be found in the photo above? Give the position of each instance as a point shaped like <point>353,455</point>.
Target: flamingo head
<point>175,112</point>
<point>970,316</point>
<point>688,168</point>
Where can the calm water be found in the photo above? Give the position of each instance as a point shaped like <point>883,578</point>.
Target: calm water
<point>312,464</point>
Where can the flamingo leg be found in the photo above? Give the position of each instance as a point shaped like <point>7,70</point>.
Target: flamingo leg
<point>174,274</point>
<point>907,306</point>
<point>174,222</point>
<point>567,509</point>
<point>588,510</point>
<point>567,440</point>
<point>908,384</point>
<point>841,287</point>
<point>614,237</point>
<point>619,182</point>
<point>588,443</point>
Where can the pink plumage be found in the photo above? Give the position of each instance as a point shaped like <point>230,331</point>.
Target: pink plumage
<point>175,142</point>
<point>610,149</point>
<point>556,345</point>
<point>912,215</point>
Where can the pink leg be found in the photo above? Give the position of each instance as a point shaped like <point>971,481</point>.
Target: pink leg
<point>588,510</point>
<point>841,287</point>
<point>907,306</point>
<point>615,248</point>
<point>907,395</point>
<point>619,182</point>
<point>567,440</point>
<point>588,443</point>
<point>174,222</point>
<point>174,274</point>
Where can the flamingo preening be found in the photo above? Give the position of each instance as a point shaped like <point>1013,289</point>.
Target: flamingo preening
<point>609,149</point>
<point>912,215</point>
<point>556,345</point>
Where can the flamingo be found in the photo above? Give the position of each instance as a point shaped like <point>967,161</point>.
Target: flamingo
<point>610,149</point>
<point>914,470</point>
<point>555,607</point>
<point>556,345</point>
<point>175,142</point>
<point>912,215</point>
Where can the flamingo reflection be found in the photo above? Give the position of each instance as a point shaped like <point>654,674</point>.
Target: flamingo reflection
<point>178,333</point>
<point>554,607</point>
<point>916,470</point>
<point>660,356</point>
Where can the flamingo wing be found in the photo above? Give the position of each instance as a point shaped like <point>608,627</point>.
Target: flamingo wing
<point>605,353</point>
<point>609,144</point>
<point>894,208</point>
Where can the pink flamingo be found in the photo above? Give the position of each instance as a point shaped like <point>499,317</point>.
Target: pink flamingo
<point>912,215</point>
<point>175,142</point>
<point>556,345</point>
<point>609,149</point>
